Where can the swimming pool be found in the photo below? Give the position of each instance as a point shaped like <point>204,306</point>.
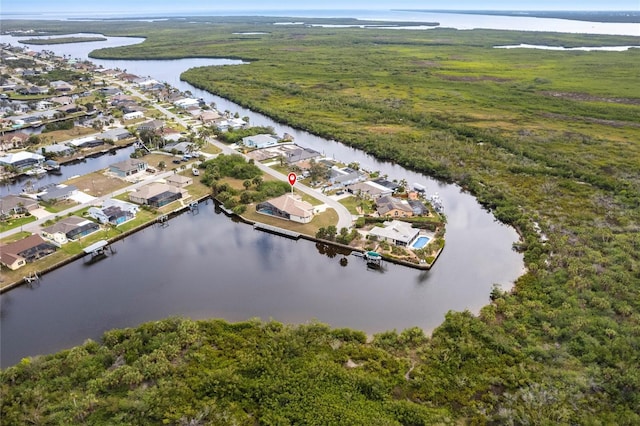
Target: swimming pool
<point>420,242</point>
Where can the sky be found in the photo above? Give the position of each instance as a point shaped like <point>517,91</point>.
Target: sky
<point>85,6</point>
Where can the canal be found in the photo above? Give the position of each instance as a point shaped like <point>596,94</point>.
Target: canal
<point>208,266</point>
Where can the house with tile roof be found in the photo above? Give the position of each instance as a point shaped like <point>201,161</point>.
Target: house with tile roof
<point>18,253</point>
<point>289,207</point>
<point>393,207</point>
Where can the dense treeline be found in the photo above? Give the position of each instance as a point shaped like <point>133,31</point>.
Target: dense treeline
<point>547,140</point>
<point>212,372</point>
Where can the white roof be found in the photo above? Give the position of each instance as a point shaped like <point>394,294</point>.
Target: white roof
<point>19,156</point>
<point>396,230</point>
<point>80,141</point>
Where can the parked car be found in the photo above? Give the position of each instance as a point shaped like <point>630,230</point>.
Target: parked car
<point>176,161</point>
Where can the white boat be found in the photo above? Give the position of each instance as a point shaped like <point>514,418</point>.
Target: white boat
<point>36,171</point>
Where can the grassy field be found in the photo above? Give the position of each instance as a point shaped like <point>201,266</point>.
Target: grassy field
<point>547,140</point>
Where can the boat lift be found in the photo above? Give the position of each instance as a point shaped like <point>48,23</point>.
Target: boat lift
<point>98,250</point>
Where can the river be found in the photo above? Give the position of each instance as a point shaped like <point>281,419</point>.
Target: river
<point>206,265</point>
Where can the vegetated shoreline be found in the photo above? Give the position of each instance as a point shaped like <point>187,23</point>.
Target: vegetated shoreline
<point>61,40</point>
<point>558,348</point>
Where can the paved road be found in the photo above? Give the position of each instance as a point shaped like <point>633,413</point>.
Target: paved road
<point>35,226</point>
<point>345,219</point>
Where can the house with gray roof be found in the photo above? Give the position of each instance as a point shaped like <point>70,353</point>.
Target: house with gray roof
<point>22,159</point>
<point>151,126</point>
<point>13,204</point>
<point>114,134</point>
<point>393,207</point>
<point>369,190</point>
<point>58,149</point>
<point>180,147</point>
<point>155,194</point>
<point>69,229</point>
<point>128,167</point>
<point>58,193</point>
<point>345,176</point>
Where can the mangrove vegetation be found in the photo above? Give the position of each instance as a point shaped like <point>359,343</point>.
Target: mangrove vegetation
<point>549,141</point>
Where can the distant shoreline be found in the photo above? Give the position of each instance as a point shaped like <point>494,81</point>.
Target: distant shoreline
<point>617,17</point>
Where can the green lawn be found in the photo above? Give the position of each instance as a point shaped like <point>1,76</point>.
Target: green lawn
<point>6,225</point>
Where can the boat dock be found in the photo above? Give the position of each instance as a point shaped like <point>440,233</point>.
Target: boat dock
<point>276,230</point>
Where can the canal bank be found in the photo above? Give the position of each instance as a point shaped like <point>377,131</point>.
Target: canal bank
<point>204,266</point>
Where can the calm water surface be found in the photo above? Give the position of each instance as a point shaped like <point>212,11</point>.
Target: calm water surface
<point>206,265</point>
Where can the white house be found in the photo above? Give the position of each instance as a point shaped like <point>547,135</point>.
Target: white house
<point>21,159</point>
<point>132,115</point>
<point>260,141</point>
<point>396,232</point>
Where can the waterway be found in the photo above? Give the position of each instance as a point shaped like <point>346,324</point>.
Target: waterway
<point>206,265</point>
<point>68,170</point>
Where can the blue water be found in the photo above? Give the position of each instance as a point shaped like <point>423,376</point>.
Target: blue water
<point>446,20</point>
<point>420,242</point>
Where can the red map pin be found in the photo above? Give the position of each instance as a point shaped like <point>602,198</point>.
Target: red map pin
<point>292,178</point>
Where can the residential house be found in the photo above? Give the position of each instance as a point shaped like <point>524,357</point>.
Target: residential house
<point>69,229</point>
<point>208,117</point>
<point>58,193</point>
<point>86,142</point>
<point>151,126</point>
<point>393,207</point>
<point>155,194</point>
<point>17,254</point>
<point>69,109</point>
<point>396,232</point>
<point>21,160</point>
<point>386,183</point>
<point>62,86</point>
<point>133,116</point>
<point>181,147</point>
<point>128,167</point>
<point>110,91</point>
<point>186,102</point>
<point>295,154</point>
<point>260,141</point>
<point>179,181</point>
<point>287,206</point>
<point>115,134</point>
<point>145,82</point>
<point>11,205</point>
<point>124,205</point>
<point>345,176</point>
<point>419,209</point>
<point>369,190</point>
<point>43,105</point>
<point>113,215</point>
<point>12,140</point>
<point>57,150</point>
<point>230,123</point>
<point>62,100</point>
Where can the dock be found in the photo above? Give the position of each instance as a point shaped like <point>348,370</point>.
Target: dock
<point>97,250</point>
<point>276,230</point>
